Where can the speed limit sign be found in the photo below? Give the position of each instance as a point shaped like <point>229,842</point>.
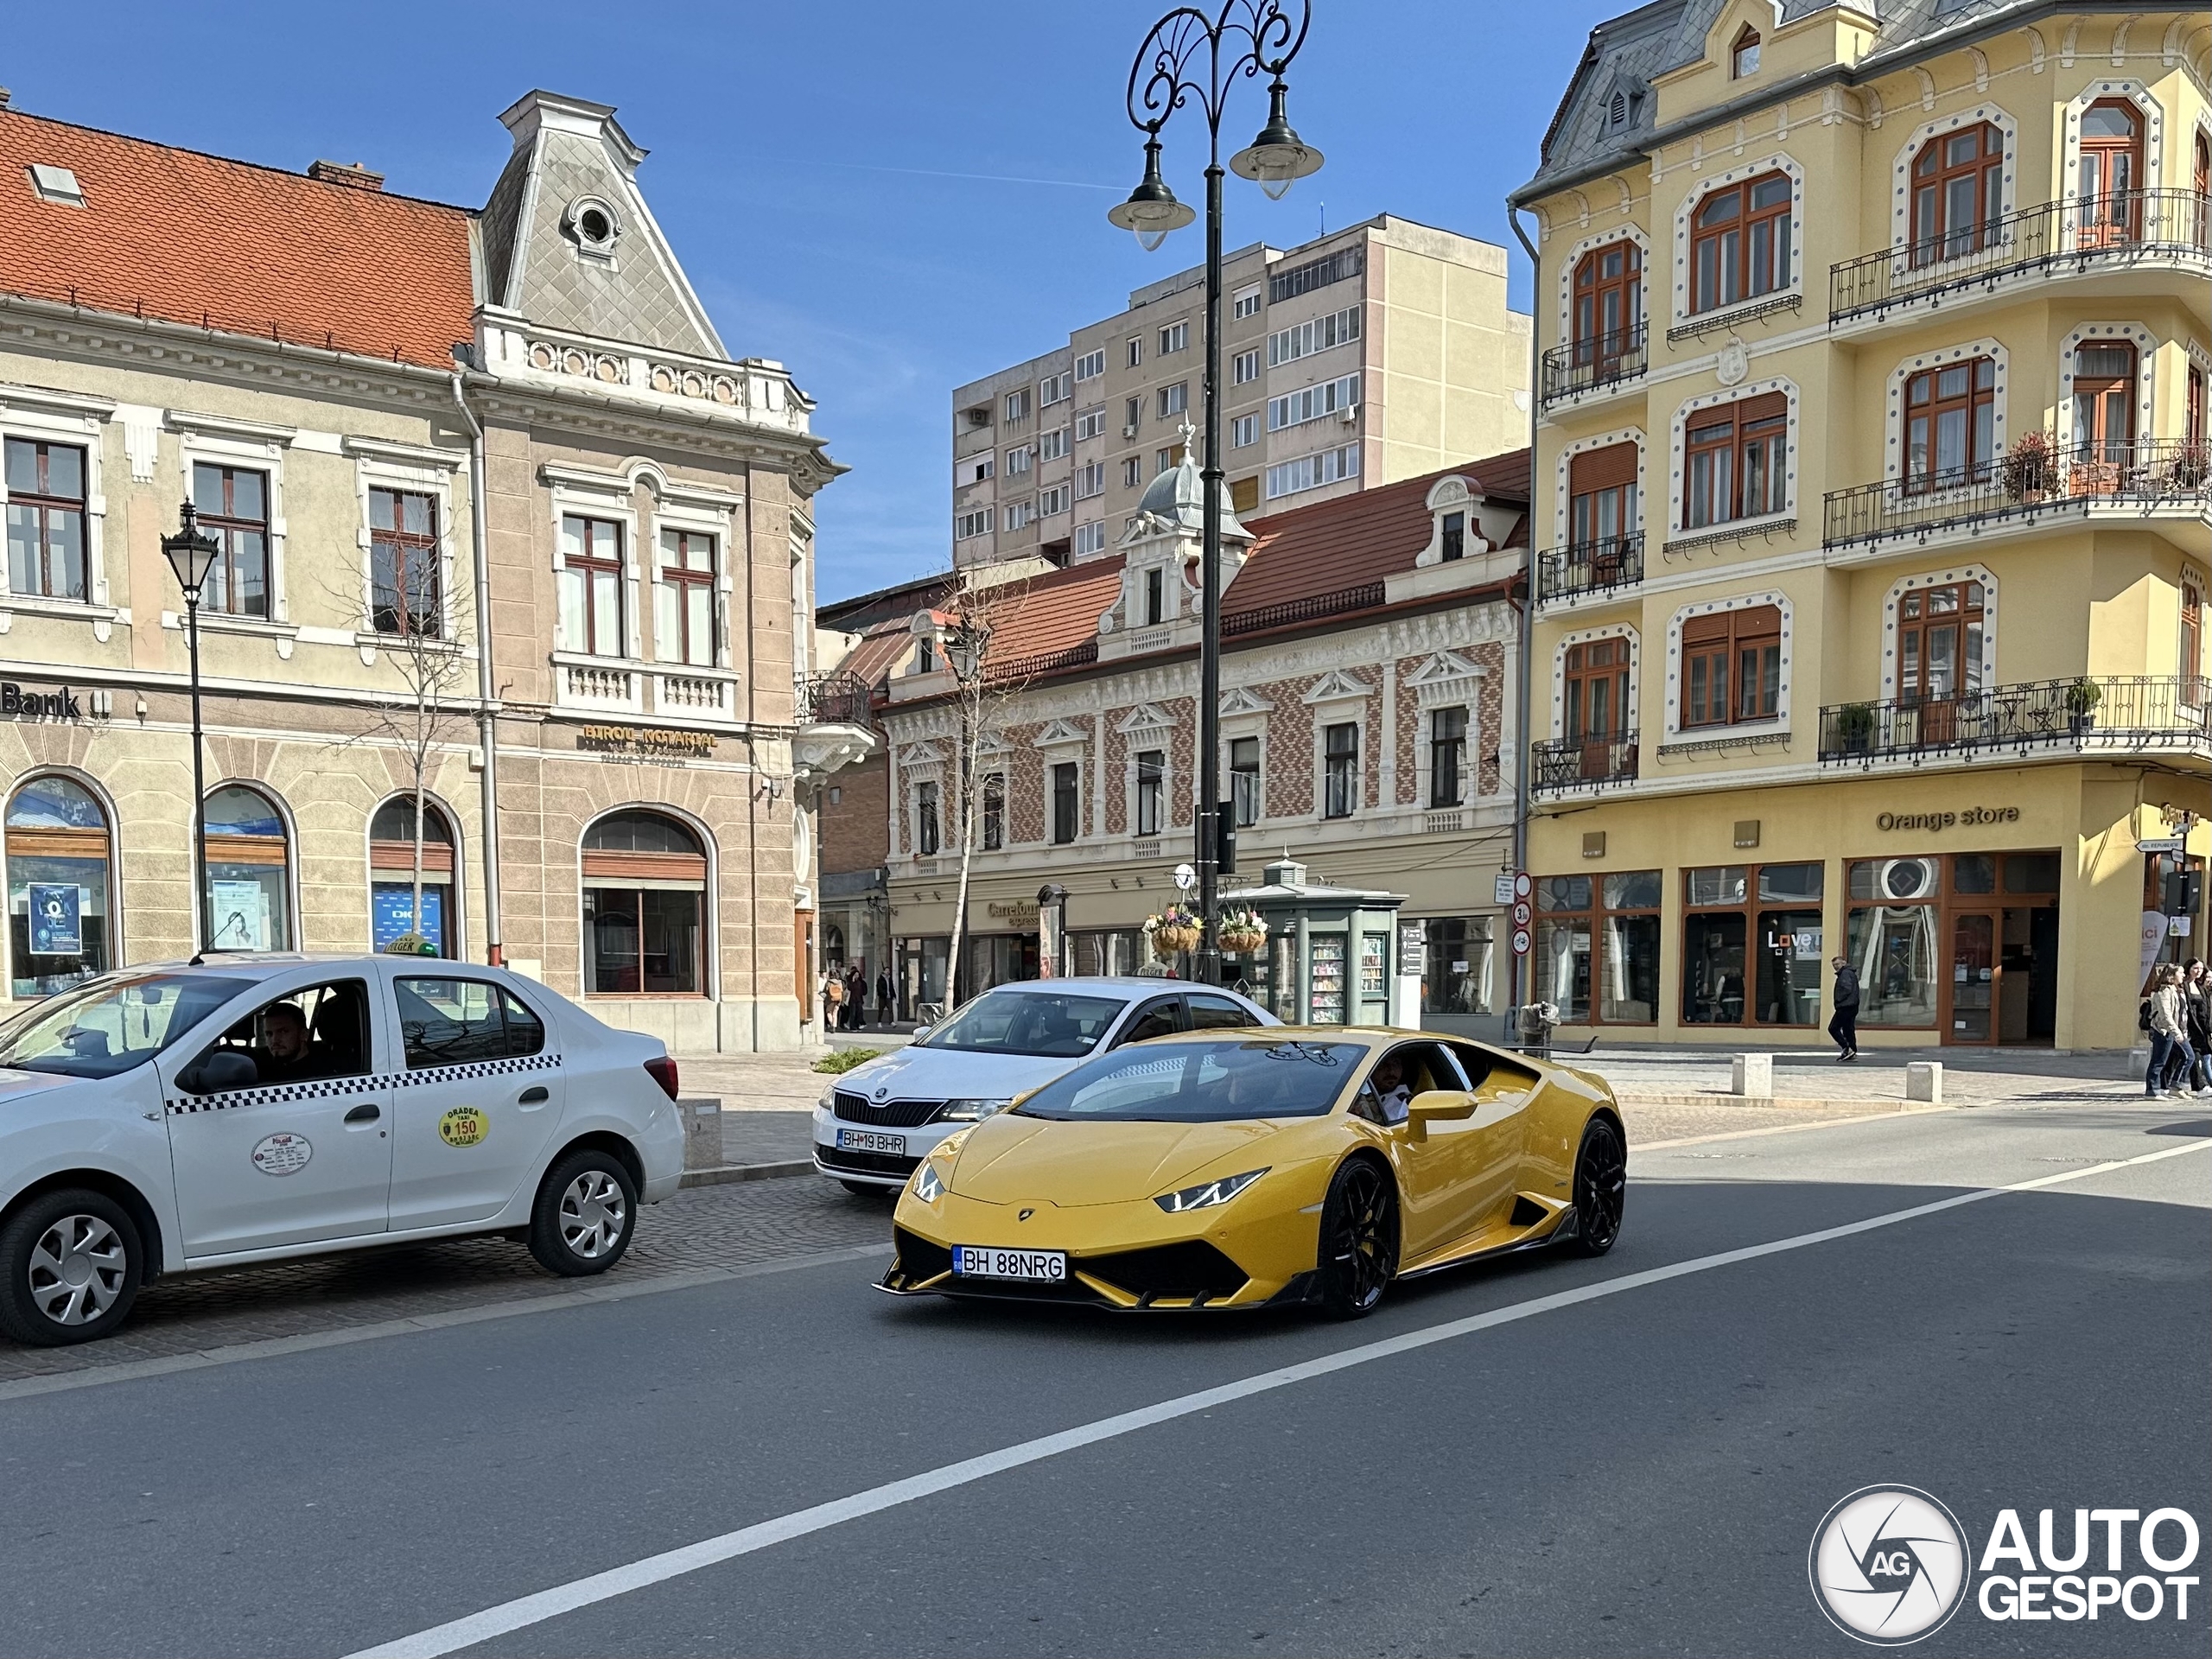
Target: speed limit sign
<point>1521,914</point>
<point>1519,941</point>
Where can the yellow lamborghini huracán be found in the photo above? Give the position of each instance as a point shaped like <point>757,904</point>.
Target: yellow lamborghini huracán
<point>1237,1168</point>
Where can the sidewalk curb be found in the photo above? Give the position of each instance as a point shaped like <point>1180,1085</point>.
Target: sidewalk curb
<point>1720,1097</point>
<point>724,1173</point>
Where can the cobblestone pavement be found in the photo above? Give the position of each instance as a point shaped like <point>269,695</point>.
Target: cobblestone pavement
<point>701,1227</point>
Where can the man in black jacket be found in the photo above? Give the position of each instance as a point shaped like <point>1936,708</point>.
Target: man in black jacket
<point>1843,1025</point>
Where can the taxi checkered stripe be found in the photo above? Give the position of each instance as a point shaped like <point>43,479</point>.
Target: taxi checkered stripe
<point>322,1088</point>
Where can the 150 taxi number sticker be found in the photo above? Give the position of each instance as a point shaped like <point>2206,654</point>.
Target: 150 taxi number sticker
<point>464,1126</point>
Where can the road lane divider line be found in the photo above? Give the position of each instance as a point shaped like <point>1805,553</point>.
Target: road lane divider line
<point>552,1301</point>
<point>536,1609</point>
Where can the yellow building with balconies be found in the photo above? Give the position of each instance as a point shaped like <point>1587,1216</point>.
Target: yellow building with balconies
<point>1873,347</point>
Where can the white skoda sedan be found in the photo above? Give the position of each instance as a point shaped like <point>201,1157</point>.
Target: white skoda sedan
<point>874,1124</point>
<point>255,1107</point>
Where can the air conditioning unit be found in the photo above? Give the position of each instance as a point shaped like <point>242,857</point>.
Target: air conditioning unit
<point>1349,414</point>
<point>1130,430</point>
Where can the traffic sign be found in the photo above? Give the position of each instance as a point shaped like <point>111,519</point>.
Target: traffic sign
<point>2161,844</point>
<point>1519,941</point>
<point>1521,913</point>
<point>1522,886</point>
<point>1502,891</point>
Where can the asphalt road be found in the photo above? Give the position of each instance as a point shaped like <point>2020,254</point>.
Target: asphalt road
<point>1638,1470</point>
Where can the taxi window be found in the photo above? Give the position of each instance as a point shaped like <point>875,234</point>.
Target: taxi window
<point>317,1030</point>
<point>110,1026</point>
<point>447,1021</point>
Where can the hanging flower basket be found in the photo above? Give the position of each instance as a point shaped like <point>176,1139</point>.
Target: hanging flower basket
<point>1173,932</point>
<point>1243,933</point>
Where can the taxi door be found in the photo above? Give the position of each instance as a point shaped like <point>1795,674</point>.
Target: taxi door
<point>267,1152</point>
<point>476,1097</point>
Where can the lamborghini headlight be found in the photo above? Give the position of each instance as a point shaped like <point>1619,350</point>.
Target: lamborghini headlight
<point>970,1111</point>
<point>1208,1195</point>
<point>929,1186</point>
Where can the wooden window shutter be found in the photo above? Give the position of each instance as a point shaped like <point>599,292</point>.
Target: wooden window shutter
<point>1602,469</point>
<point>1758,621</point>
<point>1765,406</point>
<point>1703,630</point>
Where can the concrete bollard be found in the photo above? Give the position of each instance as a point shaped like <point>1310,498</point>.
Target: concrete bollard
<point>703,1132</point>
<point>1923,1080</point>
<point>1752,1075</point>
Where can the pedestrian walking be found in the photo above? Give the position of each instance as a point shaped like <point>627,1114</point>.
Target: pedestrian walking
<point>2196,1011</point>
<point>2166,1022</point>
<point>833,1000</point>
<point>855,994</point>
<point>886,996</point>
<point>1843,1024</point>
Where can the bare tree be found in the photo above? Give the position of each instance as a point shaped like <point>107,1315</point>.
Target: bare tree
<point>403,613</point>
<point>987,682</point>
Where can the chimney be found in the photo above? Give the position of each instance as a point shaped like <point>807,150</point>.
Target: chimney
<point>352,175</point>
<point>6,97</point>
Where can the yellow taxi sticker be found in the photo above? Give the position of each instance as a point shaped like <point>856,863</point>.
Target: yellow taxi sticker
<point>464,1126</point>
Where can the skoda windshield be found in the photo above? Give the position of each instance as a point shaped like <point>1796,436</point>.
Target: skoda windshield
<point>1055,1024</point>
<point>1200,1083</point>
<point>112,1025</point>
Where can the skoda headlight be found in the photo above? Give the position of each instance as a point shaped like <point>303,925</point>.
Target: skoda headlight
<point>970,1111</point>
<point>929,1187</point>
<point>1205,1197</point>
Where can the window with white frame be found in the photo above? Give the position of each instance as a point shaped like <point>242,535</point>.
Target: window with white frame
<point>968,525</point>
<point>1244,431</point>
<point>1052,498</point>
<point>928,826</point>
<point>1448,756</point>
<point>47,497</point>
<point>1314,403</point>
<point>1052,389</point>
<point>1132,472</point>
<point>1162,460</point>
<point>1174,399</point>
<point>684,599</point>
<point>1303,339</point>
<point>1090,365</point>
<point>233,507</point>
<point>1247,367</point>
<point>1052,445</point>
<point>1134,350</point>
<point>1175,337</point>
<point>1311,472</point>
<point>590,588</point>
<point>1339,769</point>
<point>1090,538</point>
<point>974,469</point>
<point>1090,423</point>
<point>1089,480</point>
<point>1246,302</point>
<point>1017,461</point>
<point>1017,404</point>
<point>1244,780</point>
<point>1152,791</point>
<point>1018,514</point>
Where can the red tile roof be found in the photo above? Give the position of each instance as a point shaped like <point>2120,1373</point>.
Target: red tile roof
<point>877,650</point>
<point>1357,539</point>
<point>191,238</point>
<point>1035,621</point>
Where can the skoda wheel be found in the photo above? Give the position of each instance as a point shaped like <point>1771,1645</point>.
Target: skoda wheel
<point>1359,1239</point>
<point>587,1206</point>
<point>70,1267</point>
<point>1601,1187</point>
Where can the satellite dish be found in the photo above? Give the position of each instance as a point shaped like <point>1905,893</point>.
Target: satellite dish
<point>1185,877</point>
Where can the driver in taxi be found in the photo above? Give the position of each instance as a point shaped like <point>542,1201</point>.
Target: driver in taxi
<point>285,1054</point>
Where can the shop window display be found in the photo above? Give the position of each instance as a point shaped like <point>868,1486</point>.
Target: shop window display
<point>1752,946</point>
<point>1597,947</point>
<point>249,869</point>
<point>58,888</point>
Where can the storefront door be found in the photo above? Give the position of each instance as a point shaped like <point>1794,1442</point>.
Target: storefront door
<point>1975,977</point>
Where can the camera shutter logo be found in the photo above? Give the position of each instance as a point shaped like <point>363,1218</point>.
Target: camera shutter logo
<point>1888,1564</point>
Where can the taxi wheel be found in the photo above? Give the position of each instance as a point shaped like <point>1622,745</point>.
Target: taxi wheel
<point>1600,1188</point>
<point>70,1267</point>
<point>1359,1239</point>
<point>587,1206</point>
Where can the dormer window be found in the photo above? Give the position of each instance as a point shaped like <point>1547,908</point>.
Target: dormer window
<point>1155,598</point>
<point>1744,56</point>
<point>592,224</point>
<point>926,656</point>
<point>1455,537</point>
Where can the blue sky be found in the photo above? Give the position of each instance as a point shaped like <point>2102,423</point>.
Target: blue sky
<point>815,164</point>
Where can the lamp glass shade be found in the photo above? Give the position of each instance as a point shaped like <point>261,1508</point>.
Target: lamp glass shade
<point>1152,210</point>
<point>1276,158</point>
<point>192,554</point>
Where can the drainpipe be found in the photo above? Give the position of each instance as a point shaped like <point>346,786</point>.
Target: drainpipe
<point>1528,606</point>
<point>487,723</point>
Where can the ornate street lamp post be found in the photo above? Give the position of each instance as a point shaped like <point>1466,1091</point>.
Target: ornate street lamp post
<point>1189,57</point>
<point>192,553</point>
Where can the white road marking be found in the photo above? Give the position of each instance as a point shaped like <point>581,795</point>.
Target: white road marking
<point>525,1611</point>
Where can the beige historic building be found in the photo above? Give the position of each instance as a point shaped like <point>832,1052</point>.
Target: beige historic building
<point>491,494</point>
<point>1369,647</point>
<point>1378,351</point>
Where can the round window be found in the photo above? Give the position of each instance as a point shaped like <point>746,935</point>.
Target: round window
<point>594,225</point>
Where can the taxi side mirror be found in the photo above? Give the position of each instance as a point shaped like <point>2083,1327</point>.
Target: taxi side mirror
<point>218,1070</point>
<point>1436,1105</point>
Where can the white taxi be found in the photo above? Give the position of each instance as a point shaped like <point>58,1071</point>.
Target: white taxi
<point>258,1107</point>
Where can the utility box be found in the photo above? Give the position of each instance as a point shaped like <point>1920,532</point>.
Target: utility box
<point>1331,957</point>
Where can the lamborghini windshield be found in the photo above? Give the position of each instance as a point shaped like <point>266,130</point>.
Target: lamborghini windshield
<point>1200,1083</point>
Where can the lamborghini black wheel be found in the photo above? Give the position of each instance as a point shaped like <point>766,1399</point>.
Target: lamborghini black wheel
<point>1359,1239</point>
<point>1601,1187</point>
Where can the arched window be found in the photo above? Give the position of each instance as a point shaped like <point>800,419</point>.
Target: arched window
<point>1958,191</point>
<point>1608,304</point>
<point>645,877</point>
<point>1948,424</point>
<point>1739,243</point>
<point>58,894</point>
<point>392,875</point>
<point>2112,173</point>
<point>2104,415</point>
<point>249,894</point>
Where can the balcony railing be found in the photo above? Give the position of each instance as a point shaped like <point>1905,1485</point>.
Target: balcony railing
<point>2147,476</point>
<point>1590,568</point>
<point>2088,232</point>
<point>838,699</point>
<point>1363,597</point>
<point>1048,662</point>
<point>1582,762</point>
<point>1583,365</point>
<point>2104,713</point>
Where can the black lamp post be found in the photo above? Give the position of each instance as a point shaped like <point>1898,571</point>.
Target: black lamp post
<point>1247,37</point>
<point>192,553</point>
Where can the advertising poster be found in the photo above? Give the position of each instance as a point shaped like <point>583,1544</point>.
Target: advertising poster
<point>392,914</point>
<point>57,919</point>
<point>241,917</point>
